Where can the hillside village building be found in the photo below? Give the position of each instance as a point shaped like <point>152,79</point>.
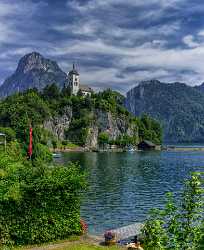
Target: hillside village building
<point>74,83</point>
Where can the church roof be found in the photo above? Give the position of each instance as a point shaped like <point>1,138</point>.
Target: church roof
<point>85,88</point>
<point>73,71</point>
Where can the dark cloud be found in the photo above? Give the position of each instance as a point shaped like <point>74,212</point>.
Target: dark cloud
<point>116,43</point>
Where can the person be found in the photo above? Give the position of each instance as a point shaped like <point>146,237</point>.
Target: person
<point>135,245</point>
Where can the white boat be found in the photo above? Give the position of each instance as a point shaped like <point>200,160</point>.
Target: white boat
<point>56,155</point>
<point>131,149</point>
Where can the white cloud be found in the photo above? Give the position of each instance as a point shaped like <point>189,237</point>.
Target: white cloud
<point>157,62</point>
<point>94,4</point>
<point>189,40</point>
<point>13,13</point>
<point>201,33</point>
<point>104,31</point>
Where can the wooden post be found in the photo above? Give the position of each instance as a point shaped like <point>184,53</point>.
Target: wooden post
<point>4,142</point>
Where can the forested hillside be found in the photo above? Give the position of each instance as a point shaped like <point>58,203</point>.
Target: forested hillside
<point>179,108</point>
<point>57,117</point>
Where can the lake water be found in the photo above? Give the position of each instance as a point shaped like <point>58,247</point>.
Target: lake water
<point>123,187</point>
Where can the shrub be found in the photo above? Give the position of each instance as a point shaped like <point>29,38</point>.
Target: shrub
<point>9,132</point>
<point>103,138</point>
<point>179,225</point>
<point>38,204</point>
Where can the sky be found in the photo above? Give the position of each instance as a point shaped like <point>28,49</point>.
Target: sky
<point>115,43</point>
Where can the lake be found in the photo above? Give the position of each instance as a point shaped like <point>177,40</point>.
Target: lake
<point>123,187</point>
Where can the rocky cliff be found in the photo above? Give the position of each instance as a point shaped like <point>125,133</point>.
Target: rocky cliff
<point>58,124</point>
<point>33,70</point>
<point>103,122</point>
<point>180,108</point>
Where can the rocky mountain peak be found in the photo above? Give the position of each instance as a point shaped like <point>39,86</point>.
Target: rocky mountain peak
<point>33,70</point>
<point>35,61</point>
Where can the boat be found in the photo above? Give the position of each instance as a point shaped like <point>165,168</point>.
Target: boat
<point>56,155</point>
<point>130,149</point>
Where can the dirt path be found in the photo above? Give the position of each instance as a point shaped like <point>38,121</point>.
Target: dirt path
<point>90,239</point>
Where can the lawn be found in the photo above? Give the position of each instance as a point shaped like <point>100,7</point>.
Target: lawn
<point>71,246</point>
<point>74,243</point>
<point>86,247</point>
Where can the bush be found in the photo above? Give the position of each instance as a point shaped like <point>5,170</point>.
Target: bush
<point>179,225</point>
<point>9,132</point>
<point>38,204</point>
<point>42,153</point>
<point>103,138</point>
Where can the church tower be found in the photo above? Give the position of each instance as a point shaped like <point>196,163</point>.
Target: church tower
<point>74,81</point>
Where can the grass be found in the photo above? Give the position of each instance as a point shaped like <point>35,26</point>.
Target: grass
<point>72,146</point>
<point>85,247</point>
<point>73,243</point>
<point>73,246</point>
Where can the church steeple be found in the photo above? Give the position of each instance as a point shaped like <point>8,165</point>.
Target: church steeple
<point>73,80</point>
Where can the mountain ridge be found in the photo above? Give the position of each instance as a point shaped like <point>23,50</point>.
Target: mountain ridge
<point>179,107</point>
<point>33,71</point>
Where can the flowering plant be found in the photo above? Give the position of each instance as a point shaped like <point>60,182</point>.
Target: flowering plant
<point>109,235</point>
<point>84,226</point>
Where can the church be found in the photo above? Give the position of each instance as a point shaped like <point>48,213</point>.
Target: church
<point>74,83</point>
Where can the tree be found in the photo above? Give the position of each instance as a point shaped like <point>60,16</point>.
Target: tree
<point>9,132</point>
<point>179,225</point>
<point>66,91</point>
<point>51,92</point>
<point>103,138</point>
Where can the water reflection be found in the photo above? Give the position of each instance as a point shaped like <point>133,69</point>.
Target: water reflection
<point>124,186</point>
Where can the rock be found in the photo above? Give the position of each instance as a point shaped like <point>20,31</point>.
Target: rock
<point>104,122</point>
<point>92,138</point>
<point>33,70</point>
<point>59,124</point>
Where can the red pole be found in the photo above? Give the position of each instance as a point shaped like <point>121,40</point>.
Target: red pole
<point>30,148</point>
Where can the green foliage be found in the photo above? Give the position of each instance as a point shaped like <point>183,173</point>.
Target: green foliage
<point>149,129</point>
<point>125,140</point>
<point>51,92</point>
<point>42,153</point>
<point>66,92</point>
<point>103,138</point>
<point>20,110</point>
<point>110,100</point>
<point>179,225</point>
<point>9,132</point>
<point>38,204</point>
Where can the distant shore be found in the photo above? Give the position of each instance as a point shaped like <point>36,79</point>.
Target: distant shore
<point>183,148</point>
<point>164,148</point>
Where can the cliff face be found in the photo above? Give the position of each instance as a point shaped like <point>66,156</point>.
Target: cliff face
<point>180,108</point>
<point>33,70</point>
<point>57,125</point>
<point>103,122</point>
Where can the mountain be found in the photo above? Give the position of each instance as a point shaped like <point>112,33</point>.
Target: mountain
<point>33,71</point>
<point>180,108</point>
<point>200,87</point>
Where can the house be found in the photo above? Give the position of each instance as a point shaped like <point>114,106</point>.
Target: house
<point>148,145</point>
<point>74,83</point>
<point>85,89</point>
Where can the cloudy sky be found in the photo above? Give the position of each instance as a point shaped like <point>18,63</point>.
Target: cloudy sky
<point>116,43</point>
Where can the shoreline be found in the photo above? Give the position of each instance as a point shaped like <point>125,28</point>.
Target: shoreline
<point>120,150</point>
